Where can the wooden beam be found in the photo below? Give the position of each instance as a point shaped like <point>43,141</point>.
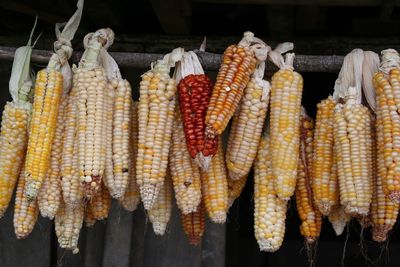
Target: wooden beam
<point>301,2</point>
<point>172,15</point>
<point>210,61</point>
<point>31,11</point>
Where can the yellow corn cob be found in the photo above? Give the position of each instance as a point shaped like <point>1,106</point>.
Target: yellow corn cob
<point>247,128</point>
<point>324,172</point>
<point>100,204</point>
<point>25,211</point>
<point>309,214</point>
<point>235,188</point>
<point>185,173</point>
<point>48,90</point>
<point>91,86</point>
<point>238,63</point>
<point>160,213</point>
<point>387,87</point>
<point>72,191</point>
<point>132,198</point>
<point>68,224</point>
<point>286,91</point>
<point>215,187</point>
<point>50,193</point>
<point>352,135</point>
<point>338,218</point>
<point>193,225</point>
<point>14,123</point>
<point>270,210</point>
<point>383,211</point>
<point>156,115</point>
<point>13,141</point>
<point>120,138</point>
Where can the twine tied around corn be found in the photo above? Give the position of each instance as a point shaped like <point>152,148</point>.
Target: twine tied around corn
<point>390,60</point>
<point>276,57</point>
<point>63,47</point>
<point>93,44</point>
<point>22,77</point>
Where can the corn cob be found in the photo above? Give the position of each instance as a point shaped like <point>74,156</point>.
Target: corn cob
<point>235,188</point>
<point>286,91</point>
<point>338,218</point>
<point>131,198</point>
<point>269,209</point>
<point>120,138</point>
<point>51,83</point>
<point>238,63</point>
<point>215,187</point>
<point>383,211</point>
<point>156,116</point>
<point>185,173</point>
<point>13,140</point>
<point>14,124</point>
<point>100,204</point>
<point>310,216</point>
<point>25,211</point>
<point>193,225</point>
<point>386,83</point>
<point>247,127</point>
<point>72,191</point>
<point>324,184</point>
<point>194,95</point>
<point>68,224</point>
<point>160,213</point>
<point>91,83</point>
<point>50,193</point>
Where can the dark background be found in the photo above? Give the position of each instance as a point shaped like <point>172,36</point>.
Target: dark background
<point>316,26</point>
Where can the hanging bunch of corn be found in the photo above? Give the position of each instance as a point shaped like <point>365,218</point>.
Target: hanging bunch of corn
<point>160,212</point>
<point>286,91</point>
<point>49,196</point>
<point>309,214</point>
<point>131,198</point>
<point>387,86</point>
<point>25,211</point>
<point>325,184</point>
<point>384,211</point>
<point>352,139</point>
<point>194,94</point>
<point>185,173</point>
<point>238,63</point>
<point>49,89</point>
<point>247,125</point>
<point>91,83</point>
<point>68,224</point>
<point>215,187</point>
<point>235,188</point>
<point>14,123</point>
<point>269,209</point>
<point>117,128</point>
<point>193,225</point>
<point>156,116</point>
